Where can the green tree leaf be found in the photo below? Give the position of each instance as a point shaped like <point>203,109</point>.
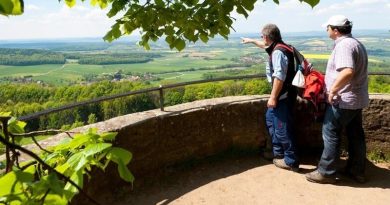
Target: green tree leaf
<point>115,154</point>
<point>11,7</point>
<point>15,126</point>
<point>125,173</point>
<point>92,149</point>
<point>74,160</point>
<point>204,37</point>
<point>109,136</point>
<point>312,3</point>
<point>180,44</point>
<point>11,183</point>
<point>76,177</point>
<point>70,3</point>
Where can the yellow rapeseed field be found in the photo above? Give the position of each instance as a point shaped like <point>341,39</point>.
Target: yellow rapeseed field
<point>326,57</point>
<point>316,56</point>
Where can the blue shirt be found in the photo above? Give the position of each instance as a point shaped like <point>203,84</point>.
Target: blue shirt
<point>279,66</point>
<point>278,69</point>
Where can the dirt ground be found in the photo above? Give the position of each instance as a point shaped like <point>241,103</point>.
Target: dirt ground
<point>250,179</point>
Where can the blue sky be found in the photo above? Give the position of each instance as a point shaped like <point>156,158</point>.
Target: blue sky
<point>50,19</point>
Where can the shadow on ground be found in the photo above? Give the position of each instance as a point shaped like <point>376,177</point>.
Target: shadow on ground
<point>378,176</point>
<point>174,182</point>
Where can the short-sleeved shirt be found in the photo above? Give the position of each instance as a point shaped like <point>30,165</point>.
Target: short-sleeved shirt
<point>278,69</point>
<point>349,53</point>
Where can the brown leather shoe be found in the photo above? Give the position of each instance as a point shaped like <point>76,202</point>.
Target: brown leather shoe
<point>317,177</point>
<point>281,164</point>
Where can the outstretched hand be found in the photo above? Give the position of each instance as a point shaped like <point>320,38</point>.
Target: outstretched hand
<point>246,40</point>
<point>258,43</point>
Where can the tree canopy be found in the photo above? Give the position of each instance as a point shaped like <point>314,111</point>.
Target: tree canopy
<point>176,21</point>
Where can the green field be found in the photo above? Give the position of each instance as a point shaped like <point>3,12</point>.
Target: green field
<point>190,64</point>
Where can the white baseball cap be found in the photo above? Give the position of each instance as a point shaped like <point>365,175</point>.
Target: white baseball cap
<point>336,20</point>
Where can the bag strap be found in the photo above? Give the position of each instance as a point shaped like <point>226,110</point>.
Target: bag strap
<point>297,56</point>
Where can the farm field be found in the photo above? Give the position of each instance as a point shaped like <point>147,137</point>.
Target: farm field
<point>196,61</point>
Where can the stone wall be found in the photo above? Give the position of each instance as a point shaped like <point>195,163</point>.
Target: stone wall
<point>376,123</point>
<point>199,129</point>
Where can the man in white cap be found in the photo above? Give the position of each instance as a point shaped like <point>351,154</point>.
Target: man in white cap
<point>347,89</point>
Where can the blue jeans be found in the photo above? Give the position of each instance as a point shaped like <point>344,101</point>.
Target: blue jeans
<point>279,125</point>
<point>335,119</point>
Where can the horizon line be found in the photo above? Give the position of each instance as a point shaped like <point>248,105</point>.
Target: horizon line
<point>316,32</point>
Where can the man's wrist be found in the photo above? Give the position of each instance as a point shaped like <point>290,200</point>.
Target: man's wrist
<point>333,92</point>
<point>273,97</point>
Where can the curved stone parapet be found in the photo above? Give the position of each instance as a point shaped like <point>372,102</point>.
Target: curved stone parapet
<point>204,128</point>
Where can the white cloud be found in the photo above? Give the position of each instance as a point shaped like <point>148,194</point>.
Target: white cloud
<point>292,5</point>
<point>78,21</point>
<point>54,20</point>
<point>360,6</point>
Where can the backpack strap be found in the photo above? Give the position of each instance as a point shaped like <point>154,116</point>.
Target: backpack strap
<point>289,48</point>
<point>297,56</point>
<point>281,45</point>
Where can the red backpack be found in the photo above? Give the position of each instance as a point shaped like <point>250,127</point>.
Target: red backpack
<point>314,90</point>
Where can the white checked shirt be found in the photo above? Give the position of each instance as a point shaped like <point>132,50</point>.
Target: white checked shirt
<point>349,53</point>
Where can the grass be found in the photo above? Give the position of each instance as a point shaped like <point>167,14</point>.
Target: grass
<point>377,156</point>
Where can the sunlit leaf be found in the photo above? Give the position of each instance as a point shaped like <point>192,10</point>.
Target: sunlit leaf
<point>116,153</point>
<point>15,126</point>
<point>76,177</point>
<point>70,3</point>
<point>92,149</point>
<point>56,199</point>
<point>125,173</point>
<point>73,161</point>
<point>109,136</point>
<point>11,7</point>
<point>5,114</point>
<point>11,183</point>
<point>62,168</point>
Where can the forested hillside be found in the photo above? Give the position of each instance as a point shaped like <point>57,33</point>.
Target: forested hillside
<point>32,98</point>
<point>27,57</point>
<point>23,57</point>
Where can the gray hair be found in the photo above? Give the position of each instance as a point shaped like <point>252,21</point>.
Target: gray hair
<point>272,32</point>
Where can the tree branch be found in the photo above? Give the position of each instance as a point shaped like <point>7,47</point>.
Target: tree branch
<point>45,165</point>
<point>42,132</point>
<point>40,147</point>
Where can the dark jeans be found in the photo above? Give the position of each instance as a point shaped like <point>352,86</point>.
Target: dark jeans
<point>279,125</point>
<point>335,119</point>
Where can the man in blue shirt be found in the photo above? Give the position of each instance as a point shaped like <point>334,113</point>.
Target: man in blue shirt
<point>280,72</point>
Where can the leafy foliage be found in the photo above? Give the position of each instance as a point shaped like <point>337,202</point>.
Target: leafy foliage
<point>73,159</point>
<point>176,21</point>
<point>11,7</point>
